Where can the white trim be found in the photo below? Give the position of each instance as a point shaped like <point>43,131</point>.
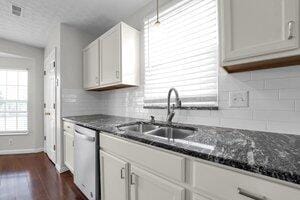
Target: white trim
<point>61,169</point>
<point>20,151</point>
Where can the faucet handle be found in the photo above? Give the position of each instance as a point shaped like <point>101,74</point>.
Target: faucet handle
<point>152,119</point>
<point>179,104</point>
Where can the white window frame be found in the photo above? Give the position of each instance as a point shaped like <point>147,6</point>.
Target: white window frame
<point>197,107</point>
<point>16,133</point>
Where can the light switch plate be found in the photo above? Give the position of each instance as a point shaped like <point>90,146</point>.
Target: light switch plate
<point>239,99</point>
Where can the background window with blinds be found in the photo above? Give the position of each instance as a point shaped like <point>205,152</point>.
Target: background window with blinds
<point>182,52</point>
<point>13,101</point>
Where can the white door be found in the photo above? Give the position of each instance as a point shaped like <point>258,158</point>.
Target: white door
<point>91,65</point>
<point>114,177</point>
<point>50,106</point>
<point>146,186</point>
<point>69,150</point>
<point>256,27</point>
<point>110,51</point>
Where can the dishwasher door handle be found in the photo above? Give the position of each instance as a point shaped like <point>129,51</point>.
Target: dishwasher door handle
<point>86,137</point>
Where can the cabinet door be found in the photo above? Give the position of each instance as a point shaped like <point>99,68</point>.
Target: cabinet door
<point>111,56</point>
<point>145,186</point>
<point>114,178</point>
<point>69,150</point>
<point>256,27</point>
<point>91,65</point>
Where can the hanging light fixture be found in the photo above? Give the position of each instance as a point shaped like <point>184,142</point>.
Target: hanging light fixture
<point>157,23</point>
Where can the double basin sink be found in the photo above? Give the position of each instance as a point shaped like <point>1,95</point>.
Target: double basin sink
<point>159,130</point>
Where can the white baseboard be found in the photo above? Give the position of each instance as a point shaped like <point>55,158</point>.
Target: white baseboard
<point>61,169</point>
<point>20,151</point>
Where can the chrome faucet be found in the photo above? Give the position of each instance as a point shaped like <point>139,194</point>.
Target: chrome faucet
<point>171,113</point>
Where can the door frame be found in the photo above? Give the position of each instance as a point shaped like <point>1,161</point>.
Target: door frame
<point>51,58</point>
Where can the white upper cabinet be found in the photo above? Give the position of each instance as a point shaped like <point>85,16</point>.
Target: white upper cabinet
<point>116,61</point>
<point>91,66</point>
<point>111,56</point>
<point>256,28</point>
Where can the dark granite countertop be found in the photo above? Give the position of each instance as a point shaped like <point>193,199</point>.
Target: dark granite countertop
<point>270,154</point>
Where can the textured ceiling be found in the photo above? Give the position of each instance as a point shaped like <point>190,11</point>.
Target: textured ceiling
<point>39,16</point>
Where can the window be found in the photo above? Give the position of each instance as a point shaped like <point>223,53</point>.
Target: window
<point>182,52</point>
<point>13,101</point>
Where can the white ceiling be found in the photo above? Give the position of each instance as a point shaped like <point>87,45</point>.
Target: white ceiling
<point>93,16</point>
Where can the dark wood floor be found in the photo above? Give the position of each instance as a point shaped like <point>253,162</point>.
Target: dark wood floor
<point>33,176</point>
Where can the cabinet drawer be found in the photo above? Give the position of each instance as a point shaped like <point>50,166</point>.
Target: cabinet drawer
<point>166,164</point>
<point>69,127</point>
<point>229,185</point>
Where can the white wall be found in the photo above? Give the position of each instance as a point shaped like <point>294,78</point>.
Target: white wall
<point>71,98</point>
<point>33,60</point>
<point>274,97</point>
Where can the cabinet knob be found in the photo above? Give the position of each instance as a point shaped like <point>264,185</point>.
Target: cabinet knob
<point>117,74</point>
<point>291,25</point>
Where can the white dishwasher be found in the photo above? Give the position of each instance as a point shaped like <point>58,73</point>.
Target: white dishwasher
<point>86,162</point>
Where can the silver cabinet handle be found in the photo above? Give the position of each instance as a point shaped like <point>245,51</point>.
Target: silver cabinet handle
<point>117,74</point>
<point>291,25</point>
<point>91,139</point>
<point>122,173</point>
<point>132,179</point>
<point>251,195</point>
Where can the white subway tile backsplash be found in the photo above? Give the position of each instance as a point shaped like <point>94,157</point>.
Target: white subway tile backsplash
<point>289,94</point>
<point>284,127</point>
<point>284,83</point>
<point>244,124</point>
<point>297,105</point>
<point>277,116</point>
<point>285,105</point>
<point>274,96</point>
<point>264,94</point>
<point>234,114</point>
<point>293,71</point>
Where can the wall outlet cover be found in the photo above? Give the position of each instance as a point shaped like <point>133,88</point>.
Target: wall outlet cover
<point>239,99</point>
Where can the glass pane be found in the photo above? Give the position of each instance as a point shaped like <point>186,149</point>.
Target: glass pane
<point>11,122</point>
<point>11,106</point>
<point>12,93</point>
<point>22,107</point>
<point>12,77</point>
<point>22,93</point>
<point>2,122</point>
<point>2,93</point>
<point>23,78</point>
<point>2,106</point>
<point>22,121</point>
<point>2,77</point>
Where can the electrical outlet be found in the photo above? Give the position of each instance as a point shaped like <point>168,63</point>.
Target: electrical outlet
<point>10,141</point>
<point>239,99</point>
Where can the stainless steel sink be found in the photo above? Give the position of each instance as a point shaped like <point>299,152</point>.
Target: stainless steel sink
<point>172,133</point>
<point>143,128</point>
<point>159,130</point>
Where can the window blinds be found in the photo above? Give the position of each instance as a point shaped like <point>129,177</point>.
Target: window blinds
<point>13,101</point>
<point>182,52</point>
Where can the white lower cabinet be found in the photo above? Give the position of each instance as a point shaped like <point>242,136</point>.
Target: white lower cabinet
<point>146,186</point>
<point>198,197</point>
<point>114,177</point>
<point>139,172</point>
<point>117,184</point>
<point>69,151</point>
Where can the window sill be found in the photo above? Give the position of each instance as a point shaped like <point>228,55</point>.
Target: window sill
<point>185,107</point>
<point>13,133</point>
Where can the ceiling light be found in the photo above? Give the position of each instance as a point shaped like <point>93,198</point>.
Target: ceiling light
<point>157,13</point>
